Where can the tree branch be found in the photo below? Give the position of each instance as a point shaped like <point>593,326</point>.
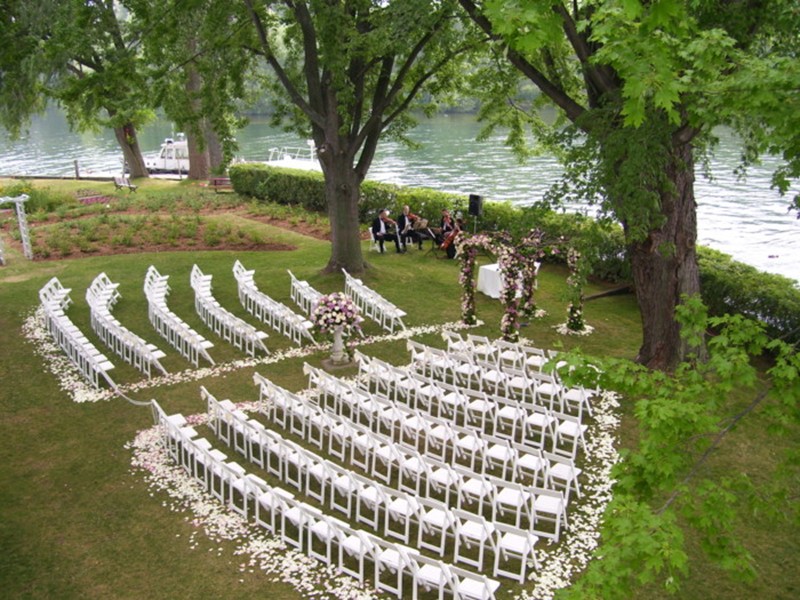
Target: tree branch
<point>559,97</point>
<point>269,55</point>
<point>714,444</point>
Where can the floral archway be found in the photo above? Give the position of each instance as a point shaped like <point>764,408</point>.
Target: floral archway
<point>518,265</point>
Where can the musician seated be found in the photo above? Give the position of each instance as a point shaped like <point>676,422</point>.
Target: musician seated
<point>450,228</point>
<point>407,226</point>
<point>380,230</point>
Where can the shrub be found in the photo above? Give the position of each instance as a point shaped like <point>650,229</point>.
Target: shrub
<point>728,286</point>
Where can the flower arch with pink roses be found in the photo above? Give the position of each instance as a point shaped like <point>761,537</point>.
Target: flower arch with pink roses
<point>517,263</point>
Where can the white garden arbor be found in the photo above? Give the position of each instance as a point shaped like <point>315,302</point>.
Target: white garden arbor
<point>22,220</point>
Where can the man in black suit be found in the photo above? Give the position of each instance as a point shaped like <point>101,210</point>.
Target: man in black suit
<point>404,228</point>
<point>380,230</point>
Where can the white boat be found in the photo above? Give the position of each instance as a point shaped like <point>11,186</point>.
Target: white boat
<point>295,158</point>
<point>173,157</point>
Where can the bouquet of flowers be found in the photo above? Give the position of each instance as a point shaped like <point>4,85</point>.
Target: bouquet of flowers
<point>337,311</point>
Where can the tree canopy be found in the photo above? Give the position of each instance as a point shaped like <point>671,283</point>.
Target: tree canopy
<point>347,73</point>
<point>84,57</point>
<point>642,86</point>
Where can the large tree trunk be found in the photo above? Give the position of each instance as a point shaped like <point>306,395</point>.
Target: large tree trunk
<point>214,147</point>
<point>342,191</point>
<point>665,267</point>
<point>126,137</point>
<point>198,159</point>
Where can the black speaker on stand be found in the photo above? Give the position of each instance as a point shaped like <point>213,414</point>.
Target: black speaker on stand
<point>475,209</point>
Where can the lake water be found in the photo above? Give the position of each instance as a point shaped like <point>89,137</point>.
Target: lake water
<point>745,219</point>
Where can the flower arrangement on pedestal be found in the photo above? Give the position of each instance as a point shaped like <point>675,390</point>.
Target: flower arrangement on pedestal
<point>336,316</point>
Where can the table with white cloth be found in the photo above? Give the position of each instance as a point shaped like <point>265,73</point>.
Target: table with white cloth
<point>490,280</point>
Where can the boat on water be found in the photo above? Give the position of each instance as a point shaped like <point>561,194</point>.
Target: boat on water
<point>174,157</point>
<point>295,158</point>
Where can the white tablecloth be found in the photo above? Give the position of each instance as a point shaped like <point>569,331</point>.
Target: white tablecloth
<point>489,280</point>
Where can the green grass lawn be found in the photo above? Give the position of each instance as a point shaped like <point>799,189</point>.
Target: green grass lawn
<point>76,522</point>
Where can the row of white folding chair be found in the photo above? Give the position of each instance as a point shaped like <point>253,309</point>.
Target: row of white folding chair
<point>302,294</point>
<point>372,304</point>
<point>54,293</point>
<point>466,370</point>
<point>503,417</point>
<point>443,438</point>
<point>540,389</point>
<point>276,314</point>
<point>517,463</point>
<point>224,323</point>
<point>83,354</point>
<point>101,295</point>
<point>393,564</point>
<point>467,529</point>
<point>314,424</point>
<point>300,468</point>
<point>188,342</point>
<point>384,460</point>
<point>528,362</point>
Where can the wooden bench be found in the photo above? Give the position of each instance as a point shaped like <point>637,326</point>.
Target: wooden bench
<point>124,182</point>
<point>220,183</point>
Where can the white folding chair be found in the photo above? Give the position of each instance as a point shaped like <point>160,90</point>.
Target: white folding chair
<point>442,479</point>
<point>512,498</point>
<point>498,455</point>
<point>372,498</point>
<point>273,502</point>
<point>413,470</point>
<point>389,457</point>
<point>549,508</point>
<point>569,435</point>
<point>470,447</point>
<point>481,347</point>
<point>538,426</point>
<point>471,586</point>
<point>472,531</point>
<point>562,474</point>
<point>431,574</point>
<point>455,343</point>
<point>509,418</point>
<point>509,354</point>
<point>357,546</point>
<point>396,560</point>
<point>492,378</point>
<point>327,530</point>
<point>322,473</point>
<point>436,520</point>
<point>403,509</point>
<point>530,466</point>
<point>344,489</point>
<point>520,386</point>
<point>514,544</point>
<point>473,488</point>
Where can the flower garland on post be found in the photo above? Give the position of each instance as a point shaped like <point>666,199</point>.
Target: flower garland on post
<point>532,249</point>
<point>337,313</point>
<point>579,268</point>
<point>467,248</point>
<point>575,282</point>
<point>509,261</point>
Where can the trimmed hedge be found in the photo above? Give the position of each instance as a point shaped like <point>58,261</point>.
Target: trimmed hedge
<point>728,286</point>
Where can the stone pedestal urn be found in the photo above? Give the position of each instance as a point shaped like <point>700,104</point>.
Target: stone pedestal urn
<point>338,355</point>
